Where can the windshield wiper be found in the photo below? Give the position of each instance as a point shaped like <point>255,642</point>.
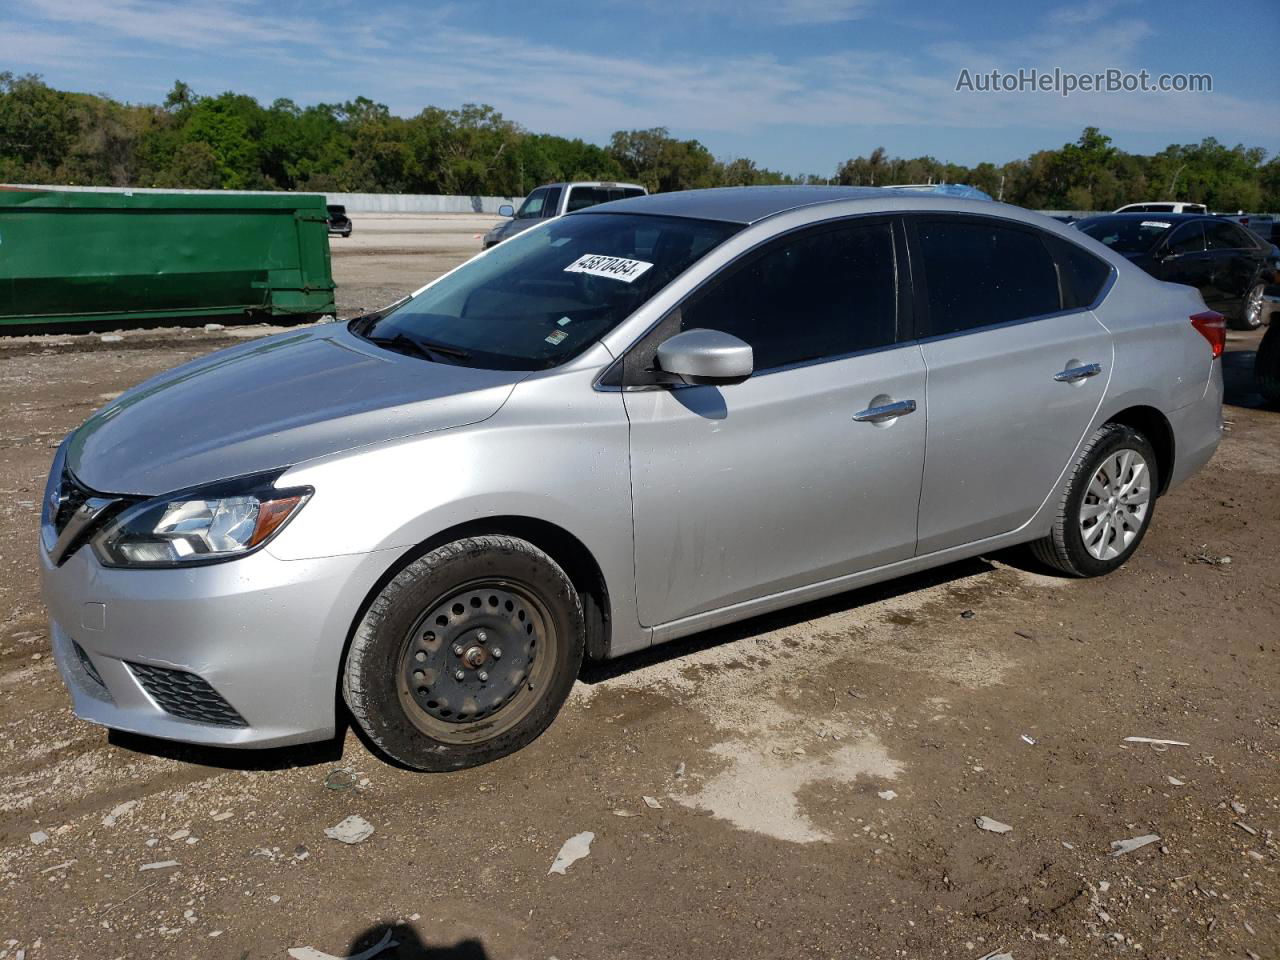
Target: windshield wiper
<point>435,352</point>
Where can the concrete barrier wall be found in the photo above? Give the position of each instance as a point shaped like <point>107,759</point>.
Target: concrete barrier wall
<point>354,202</point>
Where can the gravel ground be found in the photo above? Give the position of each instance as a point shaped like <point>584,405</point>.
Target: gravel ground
<point>812,778</point>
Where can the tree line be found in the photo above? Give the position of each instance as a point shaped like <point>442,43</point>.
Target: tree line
<point>231,141</point>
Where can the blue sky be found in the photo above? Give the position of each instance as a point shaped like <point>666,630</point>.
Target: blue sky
<point>797,85</point>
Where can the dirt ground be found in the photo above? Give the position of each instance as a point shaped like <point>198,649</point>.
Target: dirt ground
<point>815,775</point>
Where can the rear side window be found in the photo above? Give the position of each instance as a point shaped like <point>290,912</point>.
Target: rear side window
<point>979,273</point>
<point>815,296</point>
<point>1226,236</point>
<point>1081,275</point>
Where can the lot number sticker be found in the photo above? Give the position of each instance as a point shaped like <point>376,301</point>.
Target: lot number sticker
<point>615,268</point>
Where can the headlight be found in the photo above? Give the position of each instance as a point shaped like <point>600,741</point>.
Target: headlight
<point>204,525</point>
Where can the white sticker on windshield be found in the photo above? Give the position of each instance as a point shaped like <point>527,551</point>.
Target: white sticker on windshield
<point>1156,223</point>
<point>616,268</point>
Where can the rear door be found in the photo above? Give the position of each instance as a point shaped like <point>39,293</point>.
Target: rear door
<point>775,483</point>
<point>1017,367</point>
<point>1237,257</point>
<point>1184,259</point>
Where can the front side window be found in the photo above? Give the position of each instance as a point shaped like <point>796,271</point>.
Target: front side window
<point>533,206</point>
<point>544,296</point>
<point>551,205</point>
<point>815,296</point>
<point>1188,238</point>
<point>979,273</point>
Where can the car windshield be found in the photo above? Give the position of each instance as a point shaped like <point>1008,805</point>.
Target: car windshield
<point>1127,234</point>
<point>542,297</point>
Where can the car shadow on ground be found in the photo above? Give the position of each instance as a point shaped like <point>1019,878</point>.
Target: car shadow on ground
<point>600,671</point>
<point>409,946</point>
<point>1239,388</point>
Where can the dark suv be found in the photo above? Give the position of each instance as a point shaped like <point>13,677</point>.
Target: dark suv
<point>339,222</point>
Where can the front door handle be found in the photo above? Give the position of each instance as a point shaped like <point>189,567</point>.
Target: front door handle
<point>885,411</point>
<point>1082,372</point>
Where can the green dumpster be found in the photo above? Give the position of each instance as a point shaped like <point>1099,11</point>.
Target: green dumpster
<point>112,259</point>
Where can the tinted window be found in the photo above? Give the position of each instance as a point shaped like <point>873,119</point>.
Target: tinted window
<point>979,273</point>
<point>540,298</point>
<point>1125,234</point>
<point>581,197</point>
<point>1226,236</point>
<point>817,295</point>
<point>1188,238</point>
<point>1081,275</point>
<point>551,205</point>
<point>532,206</point>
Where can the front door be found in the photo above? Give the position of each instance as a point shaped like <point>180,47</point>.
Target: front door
<point>796,475</point>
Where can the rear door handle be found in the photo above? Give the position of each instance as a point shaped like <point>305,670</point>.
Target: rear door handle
<point>1082,372</point>
<point>885,411</point>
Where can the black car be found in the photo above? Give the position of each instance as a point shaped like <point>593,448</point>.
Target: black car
<point>339,222</point>
<point>1230,266</point>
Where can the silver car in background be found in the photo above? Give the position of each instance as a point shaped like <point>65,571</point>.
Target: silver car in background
<point>641,420</point>
<point>553,200</point>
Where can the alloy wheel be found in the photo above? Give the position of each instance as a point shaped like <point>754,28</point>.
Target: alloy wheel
<point>1115,504</point>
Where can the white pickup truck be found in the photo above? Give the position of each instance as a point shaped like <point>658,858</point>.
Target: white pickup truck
<point>557,199</point>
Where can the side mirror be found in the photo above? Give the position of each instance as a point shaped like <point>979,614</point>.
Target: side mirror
<point>706,357</point>
<point>506,210</point>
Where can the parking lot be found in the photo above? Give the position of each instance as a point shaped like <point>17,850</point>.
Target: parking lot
<point>805,784</point>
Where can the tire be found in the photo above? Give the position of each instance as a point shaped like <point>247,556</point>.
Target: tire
<point>1250,316</point>
<point>1073,548</point>
<point>518,621</point>
<point>1266,365</point>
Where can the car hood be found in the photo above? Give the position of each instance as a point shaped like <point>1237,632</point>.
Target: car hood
<point>273,403</point>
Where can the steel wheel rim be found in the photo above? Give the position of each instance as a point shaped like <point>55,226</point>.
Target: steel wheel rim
<point>1253,308</point>
<point>1115,505</point>
<point>480,619</point>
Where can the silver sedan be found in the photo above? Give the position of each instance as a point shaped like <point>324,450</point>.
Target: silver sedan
<point>626,425</point>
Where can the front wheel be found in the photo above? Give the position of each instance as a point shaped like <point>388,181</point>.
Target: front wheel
<point>466,655</point>
<point>1106,505</point>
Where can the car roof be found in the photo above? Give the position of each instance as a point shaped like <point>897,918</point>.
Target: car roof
<point>593,183</point>
<point>747,205</point>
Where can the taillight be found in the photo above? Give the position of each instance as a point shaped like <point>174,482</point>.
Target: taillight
<point>1213,327</point>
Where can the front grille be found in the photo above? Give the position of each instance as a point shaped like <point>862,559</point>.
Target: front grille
<point>89,668</point>
<point>187,696</point>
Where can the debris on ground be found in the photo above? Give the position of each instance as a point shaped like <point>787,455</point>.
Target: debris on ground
<point>224,815</point>
<point>1238,808</point>
<point>992,826</point>
<point>997,955</point>
<point>887,794</point>
<point>573,850</point>
<point>680,770</point>
<point>340,779</point>
<point>311,953</point>
<point>1029,740</point>
<point>1246,828</point>
<point>652,803</point>
<point>158,865</point>
<point>1120,847</point>
<point>39,837</point>
<point>1175,782</point>
<point>967,614</point>
<point>120,810</point>
<point>1205,557</point>
<point>353,829</point>
<point>624,813</point>
<point>1157,743</point>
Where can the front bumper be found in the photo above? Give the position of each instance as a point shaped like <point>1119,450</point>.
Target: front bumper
<point>263,635</point>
